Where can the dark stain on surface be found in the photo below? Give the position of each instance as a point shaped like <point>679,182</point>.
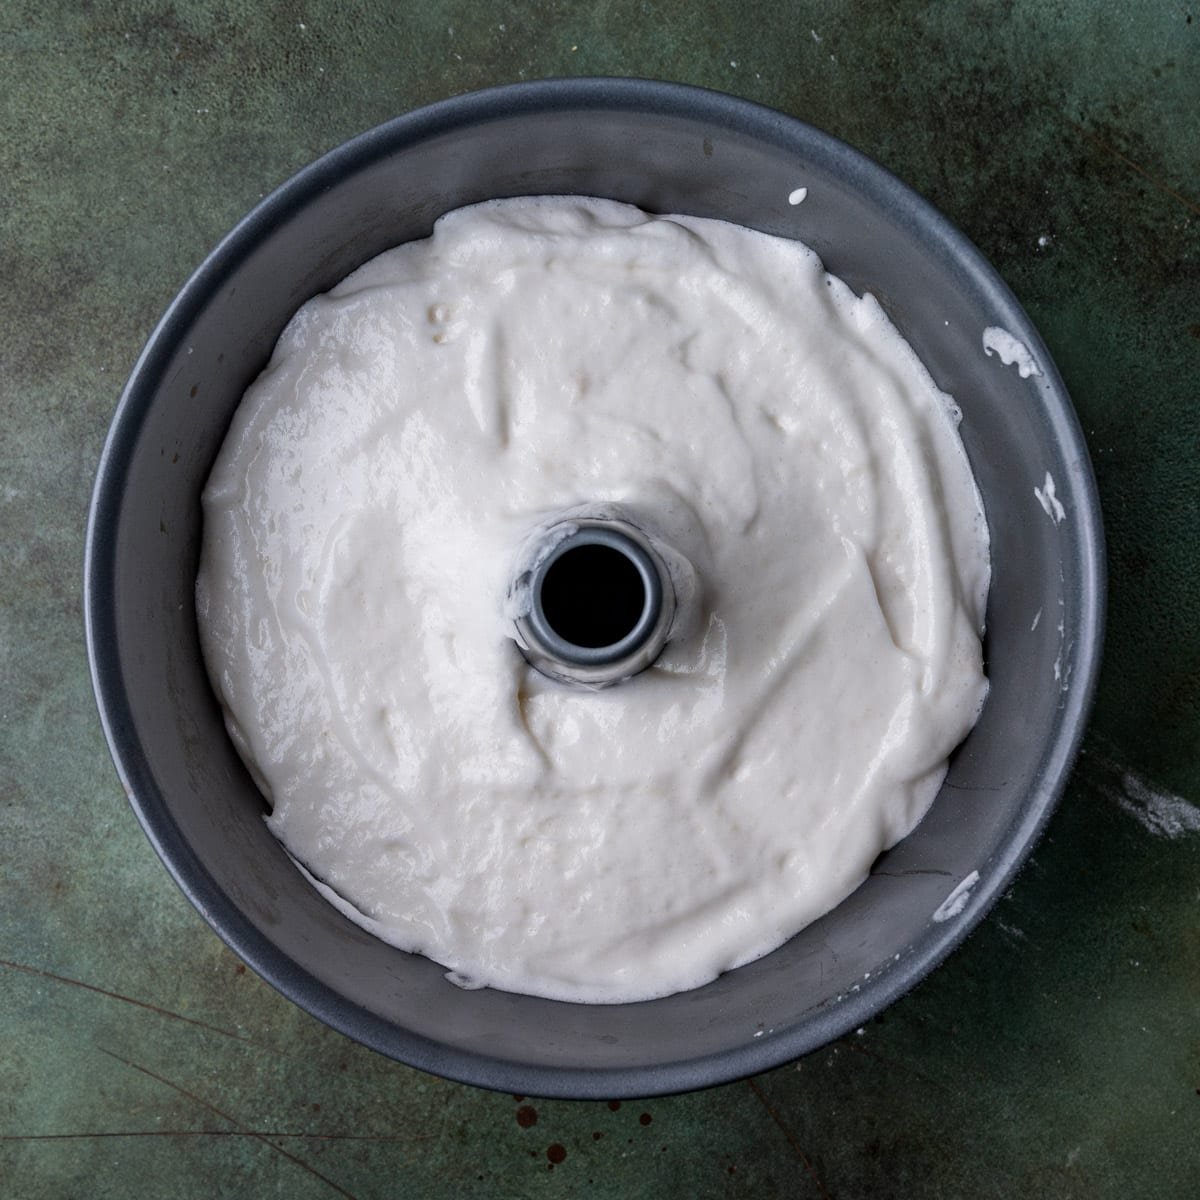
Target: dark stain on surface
<point>1105,139</point>
<point>645,1118</point>
<point>613,1105</point>
<point>527,1116</point>
<point>556,1152</point>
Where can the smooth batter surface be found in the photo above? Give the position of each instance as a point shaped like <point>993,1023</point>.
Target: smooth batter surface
<point>361,526</point>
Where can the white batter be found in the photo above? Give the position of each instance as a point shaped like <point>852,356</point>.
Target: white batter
<point>361,527</point>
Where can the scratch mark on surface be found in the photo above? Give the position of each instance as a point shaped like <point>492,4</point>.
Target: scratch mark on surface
<point>891,1063</point>
<point>341,1191</point>
<point>1162,187</point>
<point>1012,931</point>
<point>216,1133</point>
<point>791,1138</point>
<point>37,972</point>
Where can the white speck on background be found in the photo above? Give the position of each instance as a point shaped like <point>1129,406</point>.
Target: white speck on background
<point>1044,241</point>
<point>1160,813</point>
<point>1050,503</point>
<point>816,35</point>
<point>958,899</point>
<point>797,197</point>
<point>1037,616</point>
<point>1000,341</point>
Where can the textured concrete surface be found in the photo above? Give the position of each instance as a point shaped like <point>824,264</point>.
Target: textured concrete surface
<point>1056,1055</point>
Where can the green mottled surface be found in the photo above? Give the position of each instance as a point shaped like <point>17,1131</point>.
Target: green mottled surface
<point>1056,1055</point>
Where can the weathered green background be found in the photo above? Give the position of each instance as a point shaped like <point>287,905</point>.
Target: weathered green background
<point>1057,1054</point>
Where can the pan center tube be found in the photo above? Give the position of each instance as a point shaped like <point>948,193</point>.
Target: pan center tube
<point>594,601</point>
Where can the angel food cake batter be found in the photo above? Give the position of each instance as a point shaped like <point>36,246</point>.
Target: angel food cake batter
<point>362,523</point>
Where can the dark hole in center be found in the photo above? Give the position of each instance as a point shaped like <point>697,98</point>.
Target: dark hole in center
<point>592,596</point>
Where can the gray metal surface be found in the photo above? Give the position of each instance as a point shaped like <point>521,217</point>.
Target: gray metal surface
<point>602,661</point>
<point>666,148</point>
